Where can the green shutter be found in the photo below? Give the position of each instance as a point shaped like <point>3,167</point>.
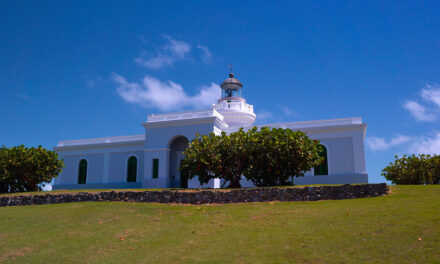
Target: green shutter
<point>131,169</point>
<point>82,171</point>
<point>322,169</point>
<point>155,168</point>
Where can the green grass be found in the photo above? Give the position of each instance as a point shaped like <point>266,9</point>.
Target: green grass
<point>403,227</point>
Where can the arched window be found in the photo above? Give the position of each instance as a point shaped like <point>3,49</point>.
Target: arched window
<point>82,171</point>
<point>322,169</point>
<point>132,169</point>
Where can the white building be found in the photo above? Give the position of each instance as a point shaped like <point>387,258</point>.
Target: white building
<point>151,159</point>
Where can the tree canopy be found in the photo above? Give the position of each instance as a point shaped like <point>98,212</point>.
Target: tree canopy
<point>277,155</point>
<point>22,168</point>
<point>267,157</point>
<point>414,169</point>
<point>215,156</point>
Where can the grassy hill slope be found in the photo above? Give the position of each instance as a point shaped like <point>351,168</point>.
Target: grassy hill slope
<point>403,227</point>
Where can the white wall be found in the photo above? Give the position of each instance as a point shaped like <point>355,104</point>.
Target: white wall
<point>346,154</point>
<point>106,165</point>
<point>345,150</point>
<point>158,137</point>
<point>118,165</point>
<point>107,162</point>
<point>95,164</point>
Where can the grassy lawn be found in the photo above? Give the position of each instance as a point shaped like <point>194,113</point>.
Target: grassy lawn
<point>403,227</point>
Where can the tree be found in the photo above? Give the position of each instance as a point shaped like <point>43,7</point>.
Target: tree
<point>22,168</point>
<point>267,157</point>
<point>234,157</point>
<point>420,169</point>
<point>277,155</point>
<point>200,158</point>
<point>216,156</point>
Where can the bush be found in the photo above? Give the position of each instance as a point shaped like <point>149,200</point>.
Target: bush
<point>22,169</point>
<point>277,155</point>
<point>267,157</point>
<point>211,156</point>
<point>421,169</point>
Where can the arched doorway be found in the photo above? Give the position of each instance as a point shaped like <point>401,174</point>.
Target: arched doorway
<point>177,146</point>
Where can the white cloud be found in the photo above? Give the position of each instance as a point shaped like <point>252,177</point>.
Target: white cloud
<point>426,145</point>
<point>172,51</point>
<point>165,96</point>
<point>206,53</point>
<point>418,111</point>
<point>264,115</point>
<point>432,94</point>
<point>287,111</point>
<point>377,143</point>
<point>207,96</point>
<point>283,114</point>
<point>416,145</point>
<point>423,112</point>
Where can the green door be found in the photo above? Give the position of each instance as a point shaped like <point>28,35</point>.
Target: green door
<point>82,172</point>
<point>132,169</point>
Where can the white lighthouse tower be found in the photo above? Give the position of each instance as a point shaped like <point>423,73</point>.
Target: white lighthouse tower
<point>233,107</point>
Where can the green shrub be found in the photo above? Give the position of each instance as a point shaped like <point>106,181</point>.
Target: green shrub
<point>22,169</point>
<point>216,156</point>
<point>267,157</point>
<point>420,169</point>
<point>277,155</point>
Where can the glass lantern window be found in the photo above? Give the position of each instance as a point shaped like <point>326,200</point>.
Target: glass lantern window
<point>231,93</point>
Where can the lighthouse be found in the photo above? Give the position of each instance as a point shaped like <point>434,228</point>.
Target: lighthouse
<point>232,106</point>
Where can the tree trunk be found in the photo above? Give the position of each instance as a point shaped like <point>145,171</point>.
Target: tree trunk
<point>235,182</point>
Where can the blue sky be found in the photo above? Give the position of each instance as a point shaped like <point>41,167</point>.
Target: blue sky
<point>84,69</point>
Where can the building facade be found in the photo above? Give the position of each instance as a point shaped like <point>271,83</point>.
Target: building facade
<point>152,159</point>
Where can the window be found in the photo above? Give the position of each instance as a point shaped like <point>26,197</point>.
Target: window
<point>322,169</point>
<point>132,169</point>
<point>228,93</point>
<point>82,171</point>
<point>155,168</point>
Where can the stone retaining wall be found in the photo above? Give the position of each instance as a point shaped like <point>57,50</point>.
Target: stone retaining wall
<point>243,195</point>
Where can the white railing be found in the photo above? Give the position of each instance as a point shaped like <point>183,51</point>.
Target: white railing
<point>240,106</point>
<point>183,116</point>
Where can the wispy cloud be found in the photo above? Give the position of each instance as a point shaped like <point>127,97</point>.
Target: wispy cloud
<point>206,53</point>
<point>432,94</point>
<point>171,52</point>
<point>287,111</point>
<point>263,116</point>
<point>426,145</point>
<point>425,112</point>
<point>166,96</point>
<point>377,143</point>
<point>418,111</point>
<point>418,145</point>
<point>283,114</point>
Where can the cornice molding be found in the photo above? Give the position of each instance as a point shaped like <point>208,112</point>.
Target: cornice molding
<point>181,122</point>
